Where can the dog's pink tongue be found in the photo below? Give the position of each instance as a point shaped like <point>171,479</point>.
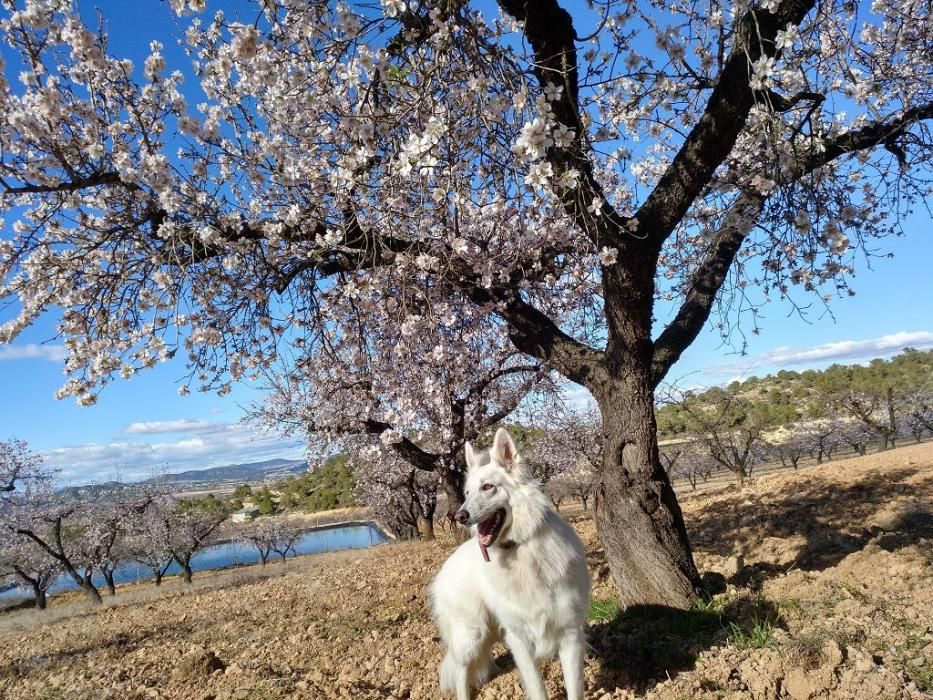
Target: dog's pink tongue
<point>482,548</point>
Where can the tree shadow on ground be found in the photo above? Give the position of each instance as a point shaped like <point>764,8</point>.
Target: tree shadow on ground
<point>820,524</point>
<point>646,644</point>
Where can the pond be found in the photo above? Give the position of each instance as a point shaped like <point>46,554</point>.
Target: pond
<point>232,554</point>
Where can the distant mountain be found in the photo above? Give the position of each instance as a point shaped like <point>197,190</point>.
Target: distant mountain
<point>253,471</point>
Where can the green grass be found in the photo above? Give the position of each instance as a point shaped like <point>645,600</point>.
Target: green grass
<point>603,609</point>
<point>759,636</point>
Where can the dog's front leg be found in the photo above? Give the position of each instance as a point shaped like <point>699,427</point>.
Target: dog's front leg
<point>527,667</point>
<point>571,662</point>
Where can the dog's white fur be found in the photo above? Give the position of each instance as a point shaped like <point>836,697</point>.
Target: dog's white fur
<point>533,595</point>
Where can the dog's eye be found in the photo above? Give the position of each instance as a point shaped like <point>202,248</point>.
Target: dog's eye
<point>487,487</point>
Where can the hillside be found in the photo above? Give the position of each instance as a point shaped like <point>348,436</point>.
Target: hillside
<point>825,580</point>
<point>252,471</point>
<point>903,384</point>
<point>203,479</point>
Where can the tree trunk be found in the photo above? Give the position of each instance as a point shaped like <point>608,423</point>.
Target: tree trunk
<point>158,577</point>
<point>39,594</point>
<point>740,477</point>
<point>92,591</point>
<point>584,499</point>
<point>452,478</point>
<point>426,528</point>
<point>186,572</point>
<point>639,521</point>
<point>108,577</point>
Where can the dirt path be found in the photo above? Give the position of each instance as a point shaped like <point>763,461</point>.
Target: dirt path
<point>826,591</point>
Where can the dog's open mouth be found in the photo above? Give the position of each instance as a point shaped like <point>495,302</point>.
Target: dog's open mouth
<point>488,530</point>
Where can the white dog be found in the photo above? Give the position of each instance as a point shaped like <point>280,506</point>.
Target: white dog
<point>522,579</point>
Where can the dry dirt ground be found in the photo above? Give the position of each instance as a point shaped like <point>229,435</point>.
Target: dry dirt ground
<point>824,580</point>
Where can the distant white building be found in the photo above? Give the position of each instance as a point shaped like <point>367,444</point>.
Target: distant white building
<point>245,514</point>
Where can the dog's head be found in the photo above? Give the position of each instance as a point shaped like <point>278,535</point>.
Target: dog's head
<point>493,490</point>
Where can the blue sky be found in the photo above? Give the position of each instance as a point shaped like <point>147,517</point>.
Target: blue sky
<point>143,426</point>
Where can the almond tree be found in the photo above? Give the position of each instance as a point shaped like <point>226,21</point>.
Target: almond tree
<point>438,388</point>
<point>515,166</point>
<point>691,461</point>
<point>570,445</point>
<point>148,540</point>
<point>31,568</point>
<point>190,529</point>
<point>269,535</point>
<point>21,471</point>
<point>59,531</point>
<point>790,446</point>
<point>919,418</point>
<point>285,537</point>
<point>401,497</point>
<point>257,535</point>
<point>730,427</point>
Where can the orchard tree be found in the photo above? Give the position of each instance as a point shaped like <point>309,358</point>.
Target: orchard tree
<point>690,460</point>
<point>148,540</point>
<point>257,535</point>
<point>285,537</point>
<point>557,170</point>
<point>730,427</point>
<point>269,535</point>
<point>21,471</point>
<point>190,529</point>
<point>789,446</point>
<point>83,537</point>
<point>29,567</point>
<point>437,389</point>
<point>402,497</point>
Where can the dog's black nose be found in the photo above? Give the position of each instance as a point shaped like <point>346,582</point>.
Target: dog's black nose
<point>462,516</point>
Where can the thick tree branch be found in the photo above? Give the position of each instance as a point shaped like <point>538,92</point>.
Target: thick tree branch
<point>710,275</point>
<point>406,449</point>
<point>712,139</point>
<point>705,284</point>
<point>876,134</point>
<point>549,29</point>
<point>534,333</point>
<point>74,185</point>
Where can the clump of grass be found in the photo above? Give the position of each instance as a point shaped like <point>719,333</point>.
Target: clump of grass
<point>807,649</point>
<point>604,609</point>
<point>759,636</point>
<point>709,604</point>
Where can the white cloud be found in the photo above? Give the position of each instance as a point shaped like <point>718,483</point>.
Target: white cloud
<point>231,443</point>
<point>578,397</point>
<point>786,356</point>
<point>183,425</point>
<point>33,351</point>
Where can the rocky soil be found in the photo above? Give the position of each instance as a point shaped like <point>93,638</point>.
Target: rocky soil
<point>822,580</point>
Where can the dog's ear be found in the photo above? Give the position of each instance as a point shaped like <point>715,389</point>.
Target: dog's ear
<point>471,459</point>
<point>504,450</point>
